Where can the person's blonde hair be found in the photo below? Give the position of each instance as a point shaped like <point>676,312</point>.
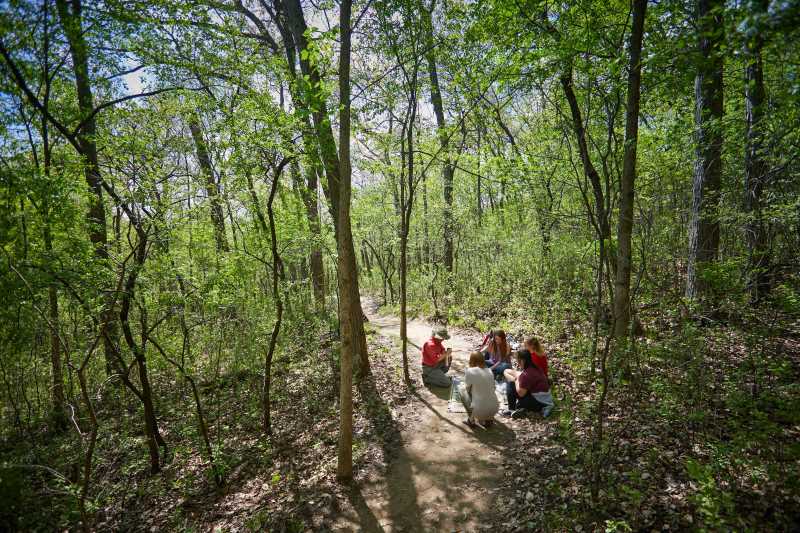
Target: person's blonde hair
<point>476,359</point>
<point>534,343</point>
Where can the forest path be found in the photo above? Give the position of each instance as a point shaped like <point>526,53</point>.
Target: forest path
<point>442,475</point>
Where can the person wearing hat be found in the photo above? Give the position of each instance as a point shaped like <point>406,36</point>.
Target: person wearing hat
<point>436,359</point>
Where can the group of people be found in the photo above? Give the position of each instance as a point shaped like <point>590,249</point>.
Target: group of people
<point>527,386</point>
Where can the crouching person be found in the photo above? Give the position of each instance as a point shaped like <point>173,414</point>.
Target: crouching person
<point>436,360</point>
<point>527,389</point>
<point>477,392</point>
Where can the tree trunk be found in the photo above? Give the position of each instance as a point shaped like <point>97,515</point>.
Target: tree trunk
<point>447,166</point>
<point>277,266</point>
<point>309,195</point>
<point>212,188</point>
<point>71,20</point>
<point>406,206</point>
<point>704,225</point>
<point>59,413</point>
<point>349,314</point>
<point>583,148</point>
<point>154,439</point>
<point>622,303</point>
<point>58,409</point>
<point>310,99</point>
<point>754,165</point>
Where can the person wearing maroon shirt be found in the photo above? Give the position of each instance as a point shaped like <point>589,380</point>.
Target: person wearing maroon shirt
<point>522,387</point>
<point>436,360</point>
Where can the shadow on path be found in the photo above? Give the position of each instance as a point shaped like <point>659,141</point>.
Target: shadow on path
<point>401,493</point>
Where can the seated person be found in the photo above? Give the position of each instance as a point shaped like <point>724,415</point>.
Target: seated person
<point>527,388</point>
<point>477,392</point>
<point>496,352</point>
<point>538,357</point>
<point>436,360</point>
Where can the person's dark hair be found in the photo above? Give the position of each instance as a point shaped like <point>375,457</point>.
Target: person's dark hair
<point>524,356</point>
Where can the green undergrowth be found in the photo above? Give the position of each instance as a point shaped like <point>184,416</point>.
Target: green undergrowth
<point>270,482</point>
<point>700,425</point>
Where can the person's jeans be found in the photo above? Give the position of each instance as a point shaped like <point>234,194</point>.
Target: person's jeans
<point>526,402</point>
<point>499,369</point>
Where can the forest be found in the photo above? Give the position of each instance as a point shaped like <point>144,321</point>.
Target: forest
<point>229,226</point>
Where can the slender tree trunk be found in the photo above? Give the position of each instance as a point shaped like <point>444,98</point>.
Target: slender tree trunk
<point>426,244</point>
<point>622,303</point>
<point>704,224</point>
<point>309,195</point>
<point>478,204</point>
<point>406,206</point>
<point>447,166</point>
<point>212,188</point>
<point>755,165</point>
<point>583,149</point>
<point>58,410</point>
<point>277,266</point>
<point>349,314</point>
<point>154,439</point>
<point>59,413</point>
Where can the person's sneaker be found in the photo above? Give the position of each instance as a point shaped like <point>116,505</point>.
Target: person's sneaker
<point>519,413</point>
<point>506,412</point>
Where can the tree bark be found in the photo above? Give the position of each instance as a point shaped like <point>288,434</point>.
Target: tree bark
<point>212,188</point>
<point>447,165</point>
<point>154,438</point>
<point>312,100</point>
<point>622,303</point>
<point>277,266</point>
<point>71,21</point>
<point>59,413</point>
<point>704,225</point>
<point>755,165</point>
<point>589,169</point>
<point>349,314</point>
<point>309,196</point>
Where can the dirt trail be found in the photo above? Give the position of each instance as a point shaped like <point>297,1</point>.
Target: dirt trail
<point>443,475</point>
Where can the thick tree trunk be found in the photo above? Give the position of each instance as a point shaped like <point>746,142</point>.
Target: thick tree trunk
<point>447,166</point>
<point>755,166</point>
<point>704,225</point>
<point>71,20</point>
<point>211,186</point>
<point>622,303</point>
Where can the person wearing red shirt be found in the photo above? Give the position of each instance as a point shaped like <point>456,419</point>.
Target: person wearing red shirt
<point>538,356</point>
<point>436,359</point>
